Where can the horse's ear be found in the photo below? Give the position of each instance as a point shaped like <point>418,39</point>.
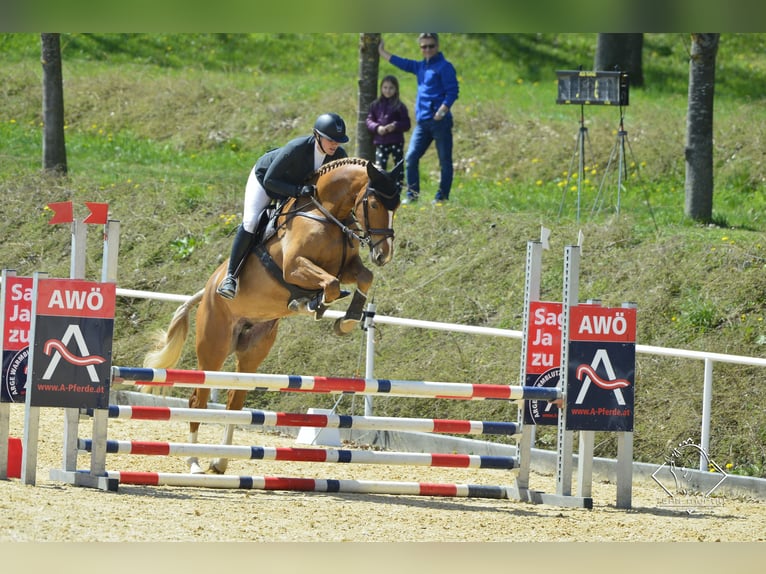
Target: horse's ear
<point>372,171</point>
<point>398,169</point>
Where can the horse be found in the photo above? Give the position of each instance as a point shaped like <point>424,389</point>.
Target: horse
<point>298,268</point>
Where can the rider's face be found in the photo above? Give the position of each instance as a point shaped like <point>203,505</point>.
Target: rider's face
<point>328,146</point>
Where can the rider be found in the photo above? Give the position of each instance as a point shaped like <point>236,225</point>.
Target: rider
<point>279,174</point>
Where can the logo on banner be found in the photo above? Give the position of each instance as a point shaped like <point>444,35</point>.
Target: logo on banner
<point>58,348</point>
<point>543,412</point>
<point>15,377</point>
<point>587,374</point>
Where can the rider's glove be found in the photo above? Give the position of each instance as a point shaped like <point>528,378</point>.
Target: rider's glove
<point>307,191</point>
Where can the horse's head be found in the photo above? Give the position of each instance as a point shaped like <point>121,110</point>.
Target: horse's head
<point>374,210</point>
<point>354,189</point>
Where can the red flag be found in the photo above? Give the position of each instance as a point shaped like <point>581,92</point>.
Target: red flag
<point>62,212</point>
<point>98,212</point>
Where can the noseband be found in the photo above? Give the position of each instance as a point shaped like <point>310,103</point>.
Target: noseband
<point>384,232</point>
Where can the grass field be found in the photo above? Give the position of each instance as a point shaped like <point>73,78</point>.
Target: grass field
<point>165,127</point>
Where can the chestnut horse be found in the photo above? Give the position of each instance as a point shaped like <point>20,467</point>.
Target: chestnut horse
<point>297,269</point>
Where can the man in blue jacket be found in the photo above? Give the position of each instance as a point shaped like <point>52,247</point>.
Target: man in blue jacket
<point>437,91</point>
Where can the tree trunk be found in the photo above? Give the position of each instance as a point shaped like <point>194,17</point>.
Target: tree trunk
<point>368,91</point>
<point>54,148</point>
<point>621,52</point>
<point>699,128</point>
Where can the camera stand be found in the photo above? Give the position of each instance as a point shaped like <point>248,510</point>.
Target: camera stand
<point>618,151</point>
<point>579,153</point>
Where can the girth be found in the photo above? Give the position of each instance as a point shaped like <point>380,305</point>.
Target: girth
<point>272,267</point>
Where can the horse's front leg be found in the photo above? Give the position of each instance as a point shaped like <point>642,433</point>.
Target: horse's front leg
<point>354,272</point>
<point>306,274</point>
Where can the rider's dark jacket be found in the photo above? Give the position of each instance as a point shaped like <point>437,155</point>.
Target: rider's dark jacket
<point>284,171</point>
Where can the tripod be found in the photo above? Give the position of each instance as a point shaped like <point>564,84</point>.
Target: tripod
<point>622,169</point>
<point>579,153</point>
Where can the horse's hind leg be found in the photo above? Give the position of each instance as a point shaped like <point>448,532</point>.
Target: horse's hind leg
<point>253,347</point>
<point>235,401</point>
<point>198,400</point>
<point>213,346</point>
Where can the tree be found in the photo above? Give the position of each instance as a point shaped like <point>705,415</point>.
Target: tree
<point>621,52</point>
<point>54,148</point>
<point>699,128</point>
<point>369,60</point>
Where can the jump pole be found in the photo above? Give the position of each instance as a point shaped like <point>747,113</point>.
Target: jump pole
<point>531,293</point>
<point>565,438</point>
<point>309,484</point>
<point>347,456</point>
<point>300,383</point>
<point>277,419</point>
<point>369,363</point>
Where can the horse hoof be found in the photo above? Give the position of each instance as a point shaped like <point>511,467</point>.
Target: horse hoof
<point>299,306</point>
<point>195,468</point>
<point>219,466</point>
<point>319,313</point>
<point>343,327</point>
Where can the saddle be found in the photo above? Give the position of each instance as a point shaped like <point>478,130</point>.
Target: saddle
<point>267,225</point>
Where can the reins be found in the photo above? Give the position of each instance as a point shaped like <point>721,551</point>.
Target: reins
<point>351,232</point>
<point>347,231</point>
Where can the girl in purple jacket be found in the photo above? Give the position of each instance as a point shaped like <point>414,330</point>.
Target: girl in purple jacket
<point>388,119</point>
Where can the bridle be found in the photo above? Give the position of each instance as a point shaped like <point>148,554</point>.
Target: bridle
<point>384,232</point>
<point>363,237</point>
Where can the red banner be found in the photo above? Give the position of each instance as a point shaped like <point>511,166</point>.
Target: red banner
<point>76,298</point>
<point>608,324</point>
<point>17,313</point>
<point>544,337</point>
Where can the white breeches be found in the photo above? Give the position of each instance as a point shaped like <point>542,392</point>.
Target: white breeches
<point>256,200</point>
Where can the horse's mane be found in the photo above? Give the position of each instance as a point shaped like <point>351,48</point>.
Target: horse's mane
<point>328,167</point>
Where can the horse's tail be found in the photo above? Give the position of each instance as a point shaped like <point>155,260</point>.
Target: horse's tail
<point>170,343</point>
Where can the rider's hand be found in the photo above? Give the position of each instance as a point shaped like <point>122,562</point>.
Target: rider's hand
<point>307,191</point>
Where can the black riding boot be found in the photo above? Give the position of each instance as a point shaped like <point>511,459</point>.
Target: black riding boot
<point>243,243</point>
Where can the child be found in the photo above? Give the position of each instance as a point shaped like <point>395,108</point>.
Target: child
<point>388,119</point>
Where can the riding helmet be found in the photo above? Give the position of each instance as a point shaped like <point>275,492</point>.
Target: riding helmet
<point>332,127</point>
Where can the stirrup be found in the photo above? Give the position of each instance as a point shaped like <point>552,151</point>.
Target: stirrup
<point>228,287</point>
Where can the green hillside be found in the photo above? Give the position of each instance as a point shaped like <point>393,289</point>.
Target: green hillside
<point>165,128</point>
